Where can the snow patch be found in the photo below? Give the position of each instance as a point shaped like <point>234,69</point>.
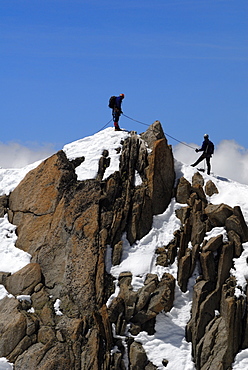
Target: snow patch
<point>57,307</point>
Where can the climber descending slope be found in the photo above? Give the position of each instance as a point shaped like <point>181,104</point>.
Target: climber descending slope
<point>208,149</point>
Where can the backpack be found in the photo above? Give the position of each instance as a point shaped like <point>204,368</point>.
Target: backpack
<point>210,148</point>
<point>112,102</point>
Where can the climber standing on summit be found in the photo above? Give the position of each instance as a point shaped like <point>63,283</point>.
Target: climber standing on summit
<point>208,149</point>
<point>116,109</point>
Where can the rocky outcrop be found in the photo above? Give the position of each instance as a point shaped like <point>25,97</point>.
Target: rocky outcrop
<point>134,311</point>
<point>139,308</point>
<point>183,190</point>
<point>66,226</point>
<point>104,163</point>
<point>24,280</point>
<point>62,314</point>
<point>210,188</point>
<point>216,328</point>
<point>13,326</point>
<point>4,202</point>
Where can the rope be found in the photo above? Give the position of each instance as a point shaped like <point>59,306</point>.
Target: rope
<point>135,120</point>
<point>104,126</point>
<point>181,142</point>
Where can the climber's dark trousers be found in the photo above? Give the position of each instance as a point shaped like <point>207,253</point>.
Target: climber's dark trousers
<point>116,115</point>
<point>203,156</point>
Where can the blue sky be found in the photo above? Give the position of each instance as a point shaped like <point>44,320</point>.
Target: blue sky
<point>181,62</point>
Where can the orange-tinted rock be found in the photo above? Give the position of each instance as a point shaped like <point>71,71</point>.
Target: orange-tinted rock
<point>24,280</point>
<point>160,175</point>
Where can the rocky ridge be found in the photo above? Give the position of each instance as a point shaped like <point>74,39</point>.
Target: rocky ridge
<point>66,226</point>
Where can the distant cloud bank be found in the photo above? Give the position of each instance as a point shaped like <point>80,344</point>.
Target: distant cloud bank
<point>15,155</point>
<point>230,160</point>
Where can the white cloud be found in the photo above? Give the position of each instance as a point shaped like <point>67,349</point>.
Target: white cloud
<point>230,159</point>
<point>15,155</point>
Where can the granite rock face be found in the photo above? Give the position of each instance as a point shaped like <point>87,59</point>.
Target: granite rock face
<point>66,226</point>
<point>60,315</point>
<point>216,328</point>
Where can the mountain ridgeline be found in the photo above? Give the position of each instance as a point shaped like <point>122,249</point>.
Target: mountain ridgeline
<point>67,226</point>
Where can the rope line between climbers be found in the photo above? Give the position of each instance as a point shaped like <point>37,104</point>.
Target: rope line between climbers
<point>104,126</point>
<point>181,142</point>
